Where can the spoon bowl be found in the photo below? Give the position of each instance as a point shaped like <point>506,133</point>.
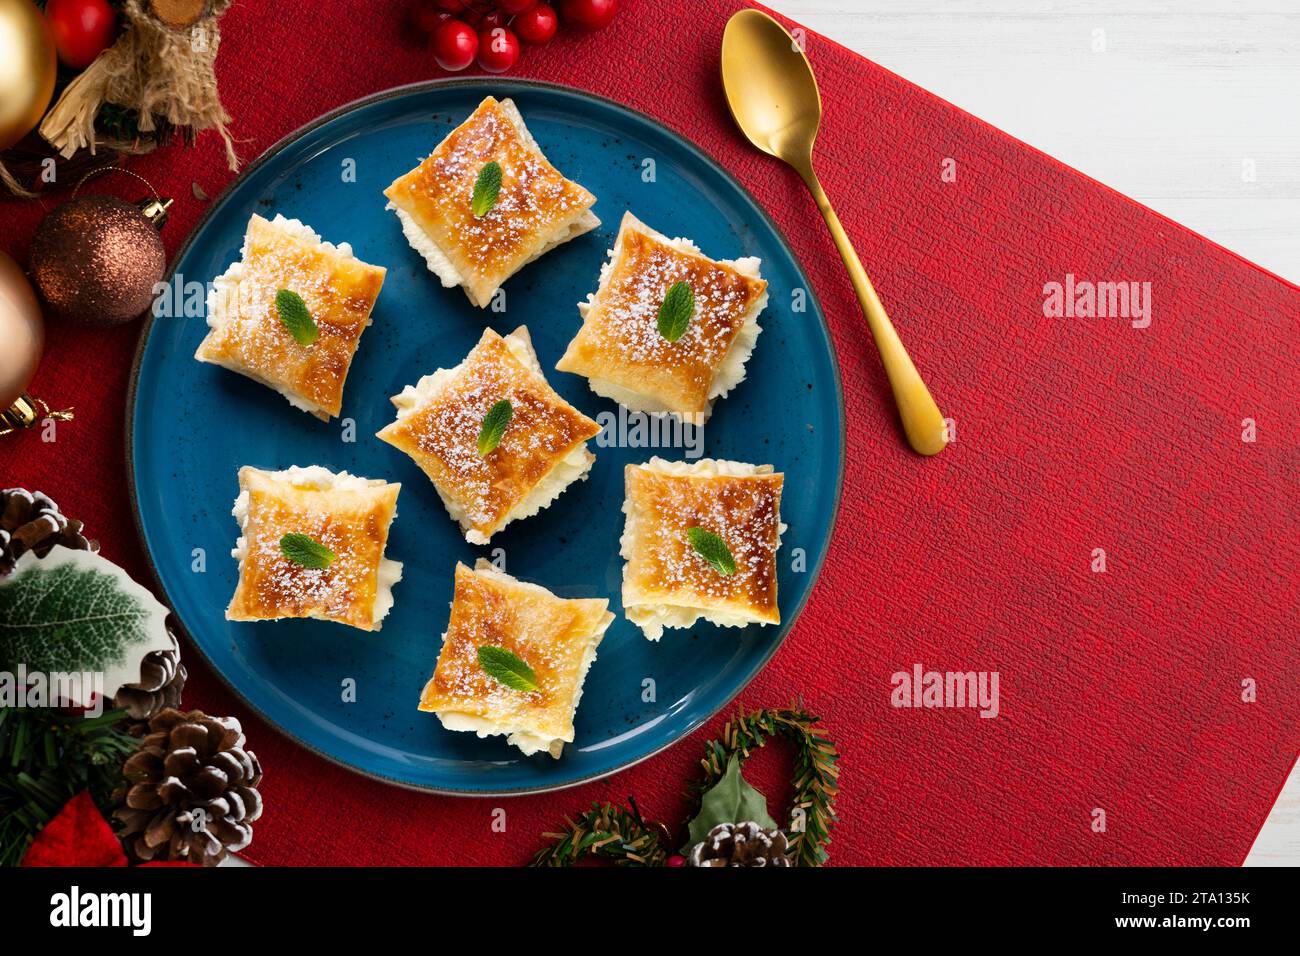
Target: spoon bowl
<point>777,105</point>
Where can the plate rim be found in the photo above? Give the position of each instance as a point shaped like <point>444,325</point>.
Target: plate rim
<point>146,330</point>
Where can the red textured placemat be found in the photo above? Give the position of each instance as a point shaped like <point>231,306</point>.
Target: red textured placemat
<point>1119,690</point>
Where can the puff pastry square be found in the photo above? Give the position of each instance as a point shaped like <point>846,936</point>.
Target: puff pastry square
<point>542,452</point>
<point>555,637</point>
<point>666,583</point>
<point>247,336</point>
<point>536,210</point>
<point>347,514</point>
<point>619,348</point>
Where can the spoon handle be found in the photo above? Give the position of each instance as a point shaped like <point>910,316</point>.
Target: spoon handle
<point>922,421</point>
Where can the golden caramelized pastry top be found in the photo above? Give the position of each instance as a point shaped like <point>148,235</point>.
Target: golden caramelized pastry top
<point>339,292</point>
<point>534,203</point>
<point>551,635</point>
<point>351,522</point>
<point>620,342</point>
<point>663,567</point>
<point>441,434</point>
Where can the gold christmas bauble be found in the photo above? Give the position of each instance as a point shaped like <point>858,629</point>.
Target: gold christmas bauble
<point>22,330</point>
<point>27,66</point>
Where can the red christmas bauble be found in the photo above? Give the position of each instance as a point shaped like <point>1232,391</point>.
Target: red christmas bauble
<point>454,45</point>
<point>537,24</point>
<point>588,14</point>
<point>82,29</point>
<point>498,49</point>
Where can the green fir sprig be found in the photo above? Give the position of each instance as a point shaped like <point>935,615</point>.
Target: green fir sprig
<point>46,758</point>
<point>610,831</point>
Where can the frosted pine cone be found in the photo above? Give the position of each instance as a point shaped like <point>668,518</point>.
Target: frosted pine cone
<point>740,844</point>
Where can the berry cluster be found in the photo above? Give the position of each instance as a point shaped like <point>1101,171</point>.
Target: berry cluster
<point>489,32</point>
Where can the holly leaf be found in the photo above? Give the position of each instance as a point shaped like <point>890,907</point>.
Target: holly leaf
<point>508,668</point>
<point>76,612</point>
<point>486,189</point>
<point>713,550</point>
<point>296,317</point>
<point>494,427</point>
<point>730,800</point>
<point>675,311</point>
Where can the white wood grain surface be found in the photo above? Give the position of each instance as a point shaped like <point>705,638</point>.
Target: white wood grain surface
<point>1188,106</point>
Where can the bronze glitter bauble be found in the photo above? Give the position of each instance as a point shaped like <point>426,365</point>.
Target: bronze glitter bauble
<point>96,259</point>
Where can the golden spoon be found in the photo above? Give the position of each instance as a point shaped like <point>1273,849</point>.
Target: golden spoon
<point>773,98</point>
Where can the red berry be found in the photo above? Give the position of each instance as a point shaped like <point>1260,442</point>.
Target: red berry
<point>512,7</point>
<point>498,49</point>
<point>454,45</point>
<point>537,24</point>
<point>452,6</point>
<point>588,14</point>
<point>82,29</point>
<point>675,860</point>
<point>490,20</point>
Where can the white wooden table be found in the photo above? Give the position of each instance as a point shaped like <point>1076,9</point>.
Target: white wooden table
<point>1188,106</point>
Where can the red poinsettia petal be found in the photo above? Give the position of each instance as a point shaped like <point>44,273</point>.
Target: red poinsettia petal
<point>77,836</point>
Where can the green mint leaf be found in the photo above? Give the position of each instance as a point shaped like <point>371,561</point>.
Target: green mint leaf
<point>486,189</point>
<point>306,552</point>
<point>712,549</point>
<point>508,668</point>
<point>675,311</point>
<point>296,318</point>
<point>730,800</point>
<point>494,426</point>
<point>75,611</point>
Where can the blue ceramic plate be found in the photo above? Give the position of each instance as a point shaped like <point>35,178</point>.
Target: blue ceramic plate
<point>190,426</point>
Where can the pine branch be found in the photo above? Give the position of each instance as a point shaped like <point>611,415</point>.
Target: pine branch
<point>48,757</point>
<point>607,830</point>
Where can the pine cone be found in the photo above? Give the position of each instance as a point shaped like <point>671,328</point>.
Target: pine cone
<point>740,844</point>
<point>162,680</point>
<point>32,522</point>
<point>191,791</point>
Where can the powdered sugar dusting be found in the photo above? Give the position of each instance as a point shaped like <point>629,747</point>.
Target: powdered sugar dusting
<point>550,634</point>
<point>620,340</point>
<point>338,289</point>
<point>744,511</point>
<point>534,202</point>
<point>351,523</point>
<point>543,428</point>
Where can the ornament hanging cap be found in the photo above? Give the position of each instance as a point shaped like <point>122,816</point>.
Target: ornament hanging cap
<point>154,209</point>
<point>27,412</point>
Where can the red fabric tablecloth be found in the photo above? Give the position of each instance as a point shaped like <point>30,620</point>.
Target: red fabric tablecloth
<point>1119,690</point>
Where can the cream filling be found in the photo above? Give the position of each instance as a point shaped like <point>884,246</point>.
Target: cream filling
<point>574,466</point>
<point>223,301</point>
<point>434,257</point>
<point>518,735</point>
<point>732,370</point>
<point>446,271</point>
<point>652,618</point>
<point>316,477</point>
